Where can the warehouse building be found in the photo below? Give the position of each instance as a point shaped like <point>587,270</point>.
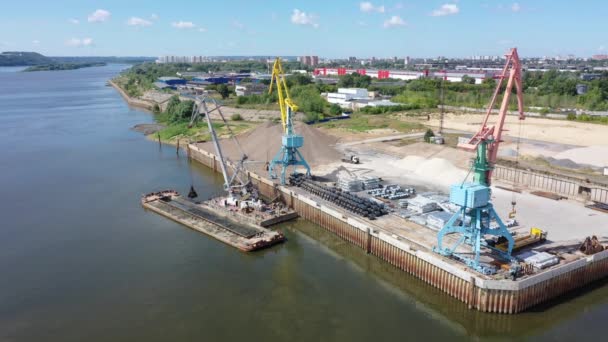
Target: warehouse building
<point>169,82</point>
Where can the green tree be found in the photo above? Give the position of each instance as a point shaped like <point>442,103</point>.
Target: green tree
<point>489,83</point>
<point>466,79</point>
<point>428,135</point>
<point>354,80</point>
<point>223,90</point>
<point>298,79</point>
<point>334,109</point>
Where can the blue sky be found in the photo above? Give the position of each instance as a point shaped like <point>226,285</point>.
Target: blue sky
<point>325,28</point>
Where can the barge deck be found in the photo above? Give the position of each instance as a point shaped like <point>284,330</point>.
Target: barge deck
<point>210,220</point>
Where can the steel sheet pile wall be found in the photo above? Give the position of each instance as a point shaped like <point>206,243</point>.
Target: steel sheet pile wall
<point>499,296</point>
<point>566,186</point>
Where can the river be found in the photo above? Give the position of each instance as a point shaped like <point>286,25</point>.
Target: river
<point>80,259</point>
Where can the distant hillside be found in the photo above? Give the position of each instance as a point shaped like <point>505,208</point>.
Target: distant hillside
<point>17,58</point>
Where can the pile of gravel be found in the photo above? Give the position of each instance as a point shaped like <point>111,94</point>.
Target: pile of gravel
<point>263,142</point>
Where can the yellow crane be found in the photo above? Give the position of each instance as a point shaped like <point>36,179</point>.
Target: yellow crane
<point>288,155</point>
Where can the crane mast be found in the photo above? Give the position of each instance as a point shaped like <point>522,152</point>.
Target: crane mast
<point>476,216</point>
<point>204,106</point>
<point>288,155</point>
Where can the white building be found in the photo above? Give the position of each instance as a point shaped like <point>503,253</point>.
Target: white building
<point>250,89</point>
<point>345,96</point>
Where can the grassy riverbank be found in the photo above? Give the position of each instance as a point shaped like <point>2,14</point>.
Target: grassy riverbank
<point>62,66</point>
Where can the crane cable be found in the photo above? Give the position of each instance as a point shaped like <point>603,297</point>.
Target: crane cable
<point>517,152</point>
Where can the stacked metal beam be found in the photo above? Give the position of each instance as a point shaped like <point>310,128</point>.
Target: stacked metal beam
<point>353,203</point>
<point>370,182</point>
<point>350,184</point>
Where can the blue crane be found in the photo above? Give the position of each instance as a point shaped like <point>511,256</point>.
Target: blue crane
<point>288,155</point>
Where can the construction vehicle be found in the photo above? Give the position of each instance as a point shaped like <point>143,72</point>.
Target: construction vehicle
<point>476,217</point>
<point>288,155</point>
<point>535,236</point>
<point>351,159</point>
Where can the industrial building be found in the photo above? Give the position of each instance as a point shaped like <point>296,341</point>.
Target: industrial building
<point>448,75</point>
<point>232,78</point>
<point>169,82</point>
<point>356,98</point>
<point>250,89</point>
<point>345,96</point>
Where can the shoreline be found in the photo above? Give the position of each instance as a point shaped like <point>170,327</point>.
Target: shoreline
<point>130,100</point>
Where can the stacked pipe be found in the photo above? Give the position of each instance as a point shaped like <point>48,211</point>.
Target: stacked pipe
<point>351,202</point>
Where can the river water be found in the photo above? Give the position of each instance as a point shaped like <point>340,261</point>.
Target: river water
<point>81,260</point>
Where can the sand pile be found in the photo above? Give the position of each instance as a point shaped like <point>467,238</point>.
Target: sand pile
<point>592,155</point>
<point>263,142</point>
<point>439,171</point>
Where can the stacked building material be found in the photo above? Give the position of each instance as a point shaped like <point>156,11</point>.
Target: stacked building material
<point>422,205</point>
<point>392,192</point>
<point>419,219</point>
<point>539,260</point>
<point>349,183</point>
<point>437,220</point>
<point>371,182</point>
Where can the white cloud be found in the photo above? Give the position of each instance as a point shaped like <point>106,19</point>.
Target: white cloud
<point>202,29</point>
<point>515,7</point>
<point>154,16</point>
<point>362,23</point>
<point>302,18</point>
<point>77,42</point>
<point>445,9</point>
<point>394,21</point>
<point>136,21</point>
<point>35,42</point>
<point>99,16</point>
<point>183,24</point>
<point>74,21</point>
<point>239,25</point>
<point>601,48</point>
<point>367,6</point>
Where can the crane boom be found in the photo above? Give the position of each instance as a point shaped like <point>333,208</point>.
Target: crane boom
<point>491,135</point>
<point>233,183</point>
<point>285,103</point>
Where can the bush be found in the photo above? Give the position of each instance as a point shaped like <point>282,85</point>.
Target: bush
<point>236,117</point>
<point>312,116</point>
<point>428,135</point>
<point>544,111</point>
<point>334,109</point>
<point>571,116</point>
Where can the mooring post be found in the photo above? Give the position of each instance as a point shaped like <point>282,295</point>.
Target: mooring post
<point>177,148</point>
<point>368,247</point>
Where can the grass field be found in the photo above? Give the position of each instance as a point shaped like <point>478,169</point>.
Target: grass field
<point>360,123</point>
